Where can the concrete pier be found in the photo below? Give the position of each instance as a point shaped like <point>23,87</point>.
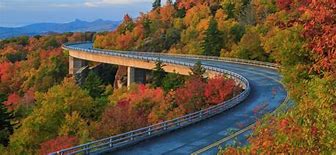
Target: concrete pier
<point>75,64</point>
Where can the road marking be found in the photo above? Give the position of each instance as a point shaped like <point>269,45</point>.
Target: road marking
<point>217,143</point>
<point>223,140</point>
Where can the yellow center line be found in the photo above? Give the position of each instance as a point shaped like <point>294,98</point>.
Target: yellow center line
<point>223,140</point>
<point>217,143</point>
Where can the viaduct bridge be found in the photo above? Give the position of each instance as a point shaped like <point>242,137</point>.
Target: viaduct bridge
<point>196,133</point>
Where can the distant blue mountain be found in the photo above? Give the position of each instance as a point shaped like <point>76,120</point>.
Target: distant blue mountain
<point>47,28</point>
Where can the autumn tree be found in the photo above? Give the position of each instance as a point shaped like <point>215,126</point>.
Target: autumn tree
<point>300,40</point>
<point>190,97</point>
<point>320,31</point>
<point>213,41</point>
<point>127,25</point>
<point>250,47</point>
<point>263,9</point>
<point>144,98</point>
<point>13,101</point>
<point>283,4</point>
<point>218,89</point>
<point>51,70</point>
<point>75,125</point>
<point>56,144</point>
<point>114,121</point>
<point>29,67</point>
<point>53,106</point>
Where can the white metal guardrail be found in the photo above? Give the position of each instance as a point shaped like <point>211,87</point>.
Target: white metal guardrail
<point>225,59</point>
<point>131,137</point>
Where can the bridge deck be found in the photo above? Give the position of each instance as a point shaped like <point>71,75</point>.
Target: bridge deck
<point>267,94</point>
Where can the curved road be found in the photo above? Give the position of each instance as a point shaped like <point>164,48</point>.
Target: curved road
<point>267,93</point>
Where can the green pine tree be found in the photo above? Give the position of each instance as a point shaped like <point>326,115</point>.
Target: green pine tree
<point>158,74</point>
<point>6,127</point>
<point>213,41</point>
<point>197,70</point>
<point>172,81</point>
<point>156,4</point>
<point>93,84</point>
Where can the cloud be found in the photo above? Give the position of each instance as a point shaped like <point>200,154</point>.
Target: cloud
<point>97,3</point>
<point>63,5</point>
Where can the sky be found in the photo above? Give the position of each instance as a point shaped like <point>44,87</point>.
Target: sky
<point>14,13</point>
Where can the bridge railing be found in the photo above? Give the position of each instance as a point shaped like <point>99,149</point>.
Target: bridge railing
<point>225,59</point>
<point>213,58</point>
<point>131,137</point>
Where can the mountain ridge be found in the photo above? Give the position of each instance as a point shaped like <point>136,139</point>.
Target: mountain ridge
<point>46,28</point>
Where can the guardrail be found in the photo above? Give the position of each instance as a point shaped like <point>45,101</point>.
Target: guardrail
<point>225,59</point>
<point>282,108</point>
<point>124,139</point>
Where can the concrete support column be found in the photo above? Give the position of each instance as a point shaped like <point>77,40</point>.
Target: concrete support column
<point>130,76</point>
<point>135,75</point>
<point>75,64</point>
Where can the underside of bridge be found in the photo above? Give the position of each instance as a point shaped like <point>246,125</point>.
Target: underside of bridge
<point>134,75</point>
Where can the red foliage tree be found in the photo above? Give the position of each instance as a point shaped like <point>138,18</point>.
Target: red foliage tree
<point>144,99</point>
<point>12,102</point>
<point>218,89</point>
<point>283,4</point>
<point>6,68</point>
<point>127,18</point>
<point>320,30</point>
<point>191,95</point>
<point>118,119</point>
<point>56,144</point>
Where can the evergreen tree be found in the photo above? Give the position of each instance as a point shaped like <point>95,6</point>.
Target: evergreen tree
<point>172,81</point>
<point>6,127</point>
<point>197,70</point>
<point>158,74</point>
<point>3,97</point>
<point>93,84</point>
<point>156,4</point>
<point>213,41</point>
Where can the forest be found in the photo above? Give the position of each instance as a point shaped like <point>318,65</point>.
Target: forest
<point>44,110</point>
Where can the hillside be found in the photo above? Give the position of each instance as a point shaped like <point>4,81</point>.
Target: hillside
<point>48,28</point>
<point>298,35</point>
<point>43,110</point>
